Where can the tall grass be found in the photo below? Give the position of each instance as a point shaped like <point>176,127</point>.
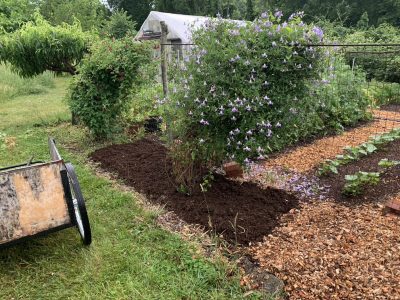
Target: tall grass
<point>12,85</point>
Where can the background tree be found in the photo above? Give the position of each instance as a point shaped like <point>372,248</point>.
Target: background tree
<point>348,12</point>
<point>90,13</point>
<point>363,23</point>
<point>250,15</point>
<point>14,13</point>
<point>119,25</point>
<point>137,9</point>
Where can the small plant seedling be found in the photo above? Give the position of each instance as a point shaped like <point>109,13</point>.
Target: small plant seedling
<point>330,166</point>
<point>207,181</point>
<point>356,182</point>
<point>386,163</point>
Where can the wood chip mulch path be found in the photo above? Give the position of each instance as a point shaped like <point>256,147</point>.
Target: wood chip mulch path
<point>329,251</point>
<point>306,158</point>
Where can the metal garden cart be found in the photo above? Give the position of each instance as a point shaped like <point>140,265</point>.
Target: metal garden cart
<point>37,198</point>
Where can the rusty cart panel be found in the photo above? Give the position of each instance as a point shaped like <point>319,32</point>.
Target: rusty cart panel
<point>40,198</point>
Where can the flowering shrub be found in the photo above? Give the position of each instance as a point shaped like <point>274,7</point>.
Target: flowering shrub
<point>244,92</point>
<point>99,93</point>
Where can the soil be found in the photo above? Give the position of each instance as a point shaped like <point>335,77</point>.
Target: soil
<point>388,186</point>
<point>240,212</point>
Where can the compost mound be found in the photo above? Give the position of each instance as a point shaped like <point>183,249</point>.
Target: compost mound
<point>239,212</point>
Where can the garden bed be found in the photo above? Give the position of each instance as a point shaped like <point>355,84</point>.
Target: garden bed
<point>306,157</point>
<point>240,212</point>
<point>388,186</point>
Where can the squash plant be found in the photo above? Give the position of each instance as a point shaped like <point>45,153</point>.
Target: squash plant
<point>355,153</point>
<point>356,182</point>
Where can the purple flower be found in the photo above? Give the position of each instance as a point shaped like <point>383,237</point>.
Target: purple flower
<point>204,122</point>
<point>278,125</point>
<point>264,15</point>
<point>268,24</point>
<point>318,32</point>
<point>235,110</point>
<point>278,14</point>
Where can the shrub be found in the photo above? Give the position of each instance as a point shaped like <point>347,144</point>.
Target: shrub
<point>383,93</point>
<point>340,96</point>
<point>245,91</point>
<point>383,66</point>
<point>98,95</point>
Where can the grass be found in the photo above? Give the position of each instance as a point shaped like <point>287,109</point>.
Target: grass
<point>130,258</point>
<point>11,85</point>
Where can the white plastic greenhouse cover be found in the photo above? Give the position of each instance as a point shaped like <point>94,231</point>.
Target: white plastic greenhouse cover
<point>179,26</point>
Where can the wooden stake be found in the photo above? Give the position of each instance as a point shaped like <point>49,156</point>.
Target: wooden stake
<point>164,62</point>
<point>164,75</point>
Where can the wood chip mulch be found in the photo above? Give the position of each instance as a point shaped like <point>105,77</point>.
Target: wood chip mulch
<point>305,158</point>
<point>326,250</point>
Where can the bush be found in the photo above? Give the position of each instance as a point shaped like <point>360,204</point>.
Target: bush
<point>340,97</point>
<point>143,103</point>
<point>98,94</point>
<point>384,66</point>
<point>245,91</point>
<point>383,93</point>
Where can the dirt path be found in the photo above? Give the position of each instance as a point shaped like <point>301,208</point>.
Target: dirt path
<point>329,251</point>
<point>308,157</point>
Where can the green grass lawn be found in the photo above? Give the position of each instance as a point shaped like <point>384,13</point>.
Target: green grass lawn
<point>130,258</point>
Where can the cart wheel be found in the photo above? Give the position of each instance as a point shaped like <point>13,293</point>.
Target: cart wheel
<point>81,216</point>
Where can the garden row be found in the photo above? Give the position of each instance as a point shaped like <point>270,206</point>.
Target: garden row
<point>368,172</point>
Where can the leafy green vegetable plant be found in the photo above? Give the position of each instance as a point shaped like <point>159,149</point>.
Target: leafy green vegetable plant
<point>355,153</point>
<point>356,182</point>
<point>386,163</point>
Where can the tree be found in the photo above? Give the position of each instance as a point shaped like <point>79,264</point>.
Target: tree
<point>363,23</point>
<point>119,25</point>
<point>250,10</point>
<point>38,47</point>
<point>90,13</point>
<point>14,13</point>
<point>348,12</point>
<point>138,10</point>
